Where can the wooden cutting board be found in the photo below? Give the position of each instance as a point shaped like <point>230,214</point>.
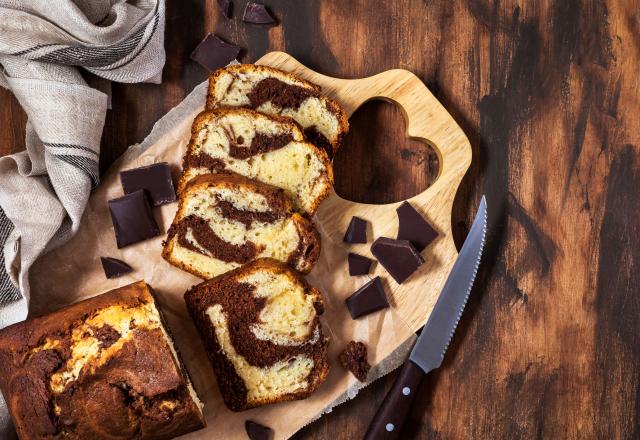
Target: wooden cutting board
<point>427,121</point>
<point>73,271</point>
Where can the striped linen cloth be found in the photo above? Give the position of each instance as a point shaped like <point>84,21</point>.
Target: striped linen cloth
<point>44,190</point>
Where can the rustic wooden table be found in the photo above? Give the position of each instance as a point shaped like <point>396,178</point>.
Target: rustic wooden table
<point>549,96</point>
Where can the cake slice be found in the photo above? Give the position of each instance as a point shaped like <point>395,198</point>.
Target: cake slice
<point>260,327</point>
<point>226,220</point>
<point>103,368</point>
<point>274,92</point>
<point>269,149</point>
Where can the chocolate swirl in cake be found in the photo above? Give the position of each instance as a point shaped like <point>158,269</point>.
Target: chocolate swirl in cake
<point>207,242</point>
<point>280,94</point>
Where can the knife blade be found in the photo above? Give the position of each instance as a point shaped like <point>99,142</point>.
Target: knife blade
<point>428,351</point>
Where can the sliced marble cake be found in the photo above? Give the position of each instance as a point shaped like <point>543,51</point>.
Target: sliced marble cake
<point>274,92</point>
<point>269,149</point>
<point>260,327</point>
<point>226,220</point>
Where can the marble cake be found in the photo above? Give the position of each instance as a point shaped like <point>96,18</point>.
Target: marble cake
<point>260,327</point>
<point>103,368</point>
<point>226,220</point>
<point>274,92</point>
<point>269,149</point>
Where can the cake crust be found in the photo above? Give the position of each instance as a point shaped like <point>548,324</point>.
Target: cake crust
<point>102,368</point>
<point>242,310</point>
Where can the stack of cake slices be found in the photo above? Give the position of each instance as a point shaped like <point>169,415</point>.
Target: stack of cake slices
<point>256,169</point>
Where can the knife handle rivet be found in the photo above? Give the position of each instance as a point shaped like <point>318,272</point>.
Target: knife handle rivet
<point>389,427</point>
<point>406,391</point>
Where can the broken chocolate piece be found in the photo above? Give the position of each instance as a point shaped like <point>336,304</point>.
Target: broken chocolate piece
<point>413,227</point>
<point>213,53</point>
<point>354,359</point>
<point>114,268</point>
<point>256,13</point>
<point>358,265</point>
<point>256,431</point>
<point>367,299</point>
<point>154,179</point>
<point>132,218</point>
<point>357,231</point>
<point>399,257</point>
<point>225,7</point>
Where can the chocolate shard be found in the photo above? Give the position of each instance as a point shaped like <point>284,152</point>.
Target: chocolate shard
<point>154,179</point>
<point>213,53</point>
<point>225,7</point>
<point>132,218</point>
<point>113,267</point>
<point>257,13</point>
<point>367,299</point>
<point>256,431</point>
<point>354,359</point>
<point>413,227</point>
<point>357,231</point>
<point>358,265</point>
<point>399,257</point>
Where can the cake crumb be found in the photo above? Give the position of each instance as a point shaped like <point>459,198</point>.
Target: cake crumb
<point>354,359</point>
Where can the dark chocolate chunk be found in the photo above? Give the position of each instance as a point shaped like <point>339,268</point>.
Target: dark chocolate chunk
<point>132,218</point>
<point>113,267</point>
<point>358,265</point>
<point>367,299</point>
<point>399,257</point>
<point>357,231</point>
<point>225,7</point>
<point>154,179</point>
<point>413,227</point>
<point>256,13</point>
<point>354,359</point>
<point>256,431</point>
<point>213,53</point>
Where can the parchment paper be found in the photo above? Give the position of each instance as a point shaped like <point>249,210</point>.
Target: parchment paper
<point>74,272</point>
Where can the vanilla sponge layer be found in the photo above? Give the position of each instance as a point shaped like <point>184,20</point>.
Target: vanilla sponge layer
<point>288,315</point>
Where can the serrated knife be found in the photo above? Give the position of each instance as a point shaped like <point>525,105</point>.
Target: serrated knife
<point>428,352</point>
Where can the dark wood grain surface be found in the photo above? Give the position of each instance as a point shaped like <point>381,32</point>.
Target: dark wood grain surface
<point>549,96</point>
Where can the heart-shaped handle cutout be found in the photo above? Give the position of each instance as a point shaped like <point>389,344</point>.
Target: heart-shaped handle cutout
<point>377,162</point>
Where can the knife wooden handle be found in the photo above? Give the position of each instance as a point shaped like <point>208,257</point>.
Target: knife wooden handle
<point>388,421</point>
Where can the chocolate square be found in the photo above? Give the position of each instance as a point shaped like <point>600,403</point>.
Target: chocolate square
<point>132,218</point>
<point>213,53</point>
<point>357,231</point>
<point>413,227</point>
<point>399,257</point>
<point>256,431</point>
<point>358,265</point>
<point>155,179</point>
<point>257,13</point>
<point>367,299</point>
<point>113,267</point>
